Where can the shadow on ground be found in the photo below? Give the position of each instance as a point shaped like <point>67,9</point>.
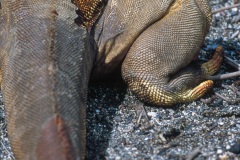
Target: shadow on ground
<point>103,104</point>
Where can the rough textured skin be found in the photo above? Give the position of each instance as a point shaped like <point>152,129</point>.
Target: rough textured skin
<point>120,25</point>
<point>45,61</point>
<point>159,40</point>
<point>169,45</point>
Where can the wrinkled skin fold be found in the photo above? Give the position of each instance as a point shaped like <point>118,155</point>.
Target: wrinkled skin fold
<point>46,60</point>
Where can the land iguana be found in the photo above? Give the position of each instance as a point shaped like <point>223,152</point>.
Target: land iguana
<point>46,58</point>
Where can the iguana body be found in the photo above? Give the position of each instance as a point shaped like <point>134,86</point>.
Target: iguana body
<point>46,61</point>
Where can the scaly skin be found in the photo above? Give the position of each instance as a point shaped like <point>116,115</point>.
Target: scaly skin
<point>46,59</point>
<point>88,11</point>
<point>156,41</point>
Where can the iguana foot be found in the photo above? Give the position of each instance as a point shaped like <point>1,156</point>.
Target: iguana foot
<point>185,85</point>
<point>208,68</point>
<point>196,92</point>
<point>166,95</point>
<point>213,65</point>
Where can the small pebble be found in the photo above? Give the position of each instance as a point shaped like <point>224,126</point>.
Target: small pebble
<point>219,151</point>
<point>228,147</point>
<point>117,118</point>
<point>152,114</point>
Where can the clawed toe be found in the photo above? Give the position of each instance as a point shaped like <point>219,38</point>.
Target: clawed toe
<point>197,92</point>
<point>213,65</point>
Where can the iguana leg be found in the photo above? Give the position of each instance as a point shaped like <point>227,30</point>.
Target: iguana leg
<point>158,65</point>
<point>188,85</point>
